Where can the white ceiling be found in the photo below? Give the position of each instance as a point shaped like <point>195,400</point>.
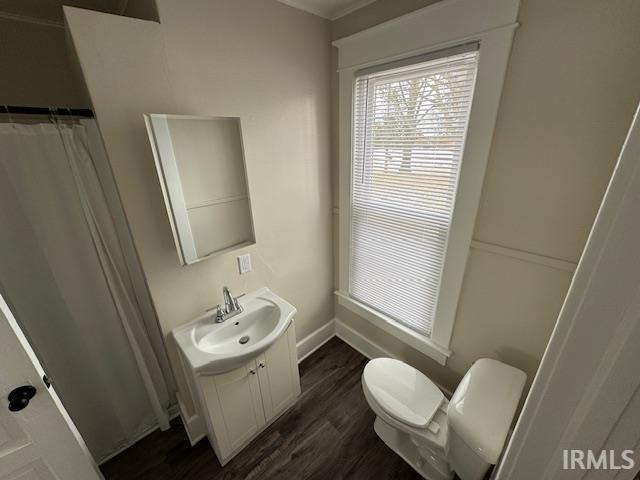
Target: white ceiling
<point>330,9</point>
<point>51,10</point>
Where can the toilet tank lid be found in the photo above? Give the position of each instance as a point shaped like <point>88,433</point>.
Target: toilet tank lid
<point>482,407</point>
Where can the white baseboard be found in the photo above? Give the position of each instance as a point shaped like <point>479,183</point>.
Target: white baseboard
<point>315,340</point>
<point>173,411</point>
<point>367,347</point>
<point>362,344</point>
<point>193,425</point>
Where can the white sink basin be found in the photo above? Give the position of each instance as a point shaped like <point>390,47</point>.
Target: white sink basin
<point>211,347</point>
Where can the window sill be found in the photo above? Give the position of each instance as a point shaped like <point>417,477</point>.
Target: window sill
<point>424,345</point>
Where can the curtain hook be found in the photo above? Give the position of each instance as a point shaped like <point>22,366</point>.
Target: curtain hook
<point>72,120</point>
<point>6,109</point>
<point>11,122</point>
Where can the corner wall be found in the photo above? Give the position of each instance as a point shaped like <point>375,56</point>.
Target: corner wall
<point>572,86</point>
<point>35,67</point>
<point>256,59</point>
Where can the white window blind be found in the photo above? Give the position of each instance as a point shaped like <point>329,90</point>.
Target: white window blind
<point>409,126</point>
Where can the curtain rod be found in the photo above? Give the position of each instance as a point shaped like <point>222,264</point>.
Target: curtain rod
<point>60,111</point>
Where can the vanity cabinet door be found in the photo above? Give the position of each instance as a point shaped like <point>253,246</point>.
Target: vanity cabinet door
<point>278,374</point>
<point>235,407</point>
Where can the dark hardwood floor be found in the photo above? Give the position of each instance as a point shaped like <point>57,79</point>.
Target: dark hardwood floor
<point>328,434</point>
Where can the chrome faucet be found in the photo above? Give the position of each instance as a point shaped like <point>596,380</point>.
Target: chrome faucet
<point>231,306</point>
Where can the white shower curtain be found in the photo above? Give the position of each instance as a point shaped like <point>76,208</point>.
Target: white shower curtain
<point>66,266</point>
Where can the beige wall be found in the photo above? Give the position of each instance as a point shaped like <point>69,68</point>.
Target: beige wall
<point>34,66</point>
<point>255,59</point>
<point>572,86</point>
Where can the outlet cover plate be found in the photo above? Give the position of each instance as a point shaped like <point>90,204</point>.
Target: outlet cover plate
<point>244,263</point>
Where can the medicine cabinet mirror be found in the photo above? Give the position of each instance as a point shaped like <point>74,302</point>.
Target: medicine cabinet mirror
<point>202,172</point>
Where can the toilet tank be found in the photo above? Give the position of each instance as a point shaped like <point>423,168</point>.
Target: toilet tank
<point>480,415</point>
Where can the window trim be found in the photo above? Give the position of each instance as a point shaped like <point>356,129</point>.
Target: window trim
<point>437,27</point>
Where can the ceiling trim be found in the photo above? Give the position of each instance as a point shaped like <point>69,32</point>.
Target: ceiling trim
<point>329,14</point>
<point>27,19</point>
<point>297,4</point>
<point>341,12</point>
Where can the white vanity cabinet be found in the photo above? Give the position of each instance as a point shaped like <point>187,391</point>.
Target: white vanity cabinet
<point>239,374</point>
<point>239,404</point>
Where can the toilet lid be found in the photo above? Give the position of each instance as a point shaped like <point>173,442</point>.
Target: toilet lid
<point>402,391</point>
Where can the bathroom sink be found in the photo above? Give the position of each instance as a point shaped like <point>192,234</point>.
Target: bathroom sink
<point>211,347</point>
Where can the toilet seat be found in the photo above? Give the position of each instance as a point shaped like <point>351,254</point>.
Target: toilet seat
<point>403,392</point>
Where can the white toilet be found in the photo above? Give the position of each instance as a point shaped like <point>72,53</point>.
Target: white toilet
<point>438,437</point>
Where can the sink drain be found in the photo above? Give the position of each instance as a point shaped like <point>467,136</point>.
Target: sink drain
<point>243,340</point>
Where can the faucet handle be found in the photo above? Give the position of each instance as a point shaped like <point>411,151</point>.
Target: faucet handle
<point>219,314</point>
<point>235,301</point>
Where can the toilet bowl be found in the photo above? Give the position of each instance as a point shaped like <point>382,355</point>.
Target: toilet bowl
<point>438,437</point>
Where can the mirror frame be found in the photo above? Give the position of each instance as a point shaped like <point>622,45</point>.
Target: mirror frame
<point>169,177</point>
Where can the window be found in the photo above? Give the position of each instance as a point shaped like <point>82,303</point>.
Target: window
<point>409,125</point>
<point>411,172</point>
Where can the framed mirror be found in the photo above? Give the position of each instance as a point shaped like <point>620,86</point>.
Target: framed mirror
<point>202,172</point>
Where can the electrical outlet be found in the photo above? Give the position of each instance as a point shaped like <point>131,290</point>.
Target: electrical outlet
<point>244,263</point>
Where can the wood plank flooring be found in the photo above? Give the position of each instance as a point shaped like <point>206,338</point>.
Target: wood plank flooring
<point>328,434</point>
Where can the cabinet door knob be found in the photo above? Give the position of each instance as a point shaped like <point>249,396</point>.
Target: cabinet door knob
<point>252,372</point>
<point>261,365</point>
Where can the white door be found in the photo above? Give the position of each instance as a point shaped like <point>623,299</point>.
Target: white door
<point>38,441</point>
<point>278,374</point>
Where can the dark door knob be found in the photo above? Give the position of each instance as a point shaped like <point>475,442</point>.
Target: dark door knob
<point>19,397</point>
